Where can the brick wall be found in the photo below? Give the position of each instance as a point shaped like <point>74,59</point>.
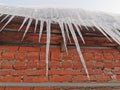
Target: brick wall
<point>27,64</point>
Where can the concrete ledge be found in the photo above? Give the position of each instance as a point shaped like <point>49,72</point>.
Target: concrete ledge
<point>49,84</point>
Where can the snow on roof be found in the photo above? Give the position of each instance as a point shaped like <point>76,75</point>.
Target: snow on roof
<point>107,24</point>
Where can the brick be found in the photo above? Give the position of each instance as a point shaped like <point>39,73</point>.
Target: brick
<point>82,78</point>
<point>89,64</point>
<point>116,72</point>
<point>99,65</point>
<point>35,79</point>
<point>108,65</point>
<point>117,56</point>
<point>18,88</point>
<point>98,56</point>
<point>108,56</point>
<point>20,56</point>
<point>31,64</point>
<point>93,72</point>
<point>77,65</point>
<point>43,54</point>
<point>8,55</point>
<point>20,65</point>
<point>66,56</point>
<point>66,64</point>
<point>40,72</point>
<point>60,78</point>
<point>33,55</point>
<point>41,64</point>
<point>118,77</point>
<point>88,56</point>
<point>0,55</point>
<point>55,53</point>
<point>6,65</point>
<point>54,64</point>
<point>9,48</point>
<point>5,72</point>
<point>2,88</point>
<point>103,78</point>
<point>29,48</point>
<point>116,64</point>
<point>44,88</point>
<point>64,72</point>
<point>10,79</point>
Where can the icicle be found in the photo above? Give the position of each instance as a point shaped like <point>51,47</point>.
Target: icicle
<point>1,15</point>
<point>4,18</point>
<point>48,27</point>
<point>79,32</point>
<point>36,23</point>
<point>78,48</point>
<point>63,35</point>
<point>41,29</point>
<point>23,23</point>
<point>10,19</point>
<point>67,31</point>
<point>27,28</point>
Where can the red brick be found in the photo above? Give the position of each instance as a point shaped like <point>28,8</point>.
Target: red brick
<point>54,64</point>
<point>31,64</point>
<point>35,79</point>
<point>20,55</point>
<point>93,72</point>
<point>55,53</point>
<point>108,56</point>
<point>0,55</point>
<point>107,72</point>
<point>103,78</point>
<point>118,77</point>
<point>60,78</point>
<point>22,72</point>
<point>88,56</point>
<point>43,54</point>
<point>6,65</point>
<point>44,88</point>
<point>9,55</point>
<point>10,79</point>
<point>117,56</point>
<point>2,88</point>
<point>33,55</point>
<point>18,88</point>
<point>66,56</point>
<point>9,48</point>
<point>116,72</point>
<point>77,65</point>
<point>67,64</point>
<point>116,64</point>
<point>40,72</point>
<point>20,65</point>
<point>99,65</point>
<point>89,64</point>
<point>41,64</point>
<point>82,78</point>
<point>29,48</point>
<point>108,65</point>
<point>98,56</point>
<point>64,72</point>
<point>5,72</point>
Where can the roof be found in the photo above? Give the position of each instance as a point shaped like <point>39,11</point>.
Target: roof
<point>107,24</point>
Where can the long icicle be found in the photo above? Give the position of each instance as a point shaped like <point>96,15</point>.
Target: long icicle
<point>36,23</point>
<point>41,29</point>
<point>67,31</point>
<point>63,35</point>
<point>10,19</point>
<point>78,48</point>
<point>27,28</point>
<point>79,32</point>
<point>25,19</point>
<point>48,27</point>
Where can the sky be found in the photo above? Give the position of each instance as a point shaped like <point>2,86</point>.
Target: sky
<point>112,6</point>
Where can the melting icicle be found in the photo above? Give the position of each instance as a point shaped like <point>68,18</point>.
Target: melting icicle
<point>41,29</point>
<point>78,48</point>
<point>36,23</point>
<point>1,15</point>
<point>63,34</point>
<point>48,27</point>
<point>67,31</point>
<point>27,28</point>
<point>5,18</point>
<point>80,34</point>
<point>23,23</point>
<point>10,19</point>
